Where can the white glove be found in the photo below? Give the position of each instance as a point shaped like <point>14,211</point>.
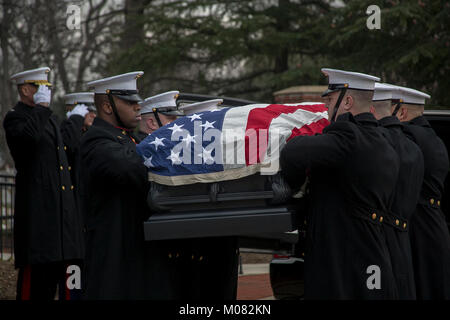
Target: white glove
<point>43,95</point>
<point>80,109</point>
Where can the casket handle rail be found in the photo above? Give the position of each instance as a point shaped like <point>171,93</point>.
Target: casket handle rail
<point>214,189</point>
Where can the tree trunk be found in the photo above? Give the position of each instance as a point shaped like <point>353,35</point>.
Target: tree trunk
<point>6,89</point>
<point>56,44</point>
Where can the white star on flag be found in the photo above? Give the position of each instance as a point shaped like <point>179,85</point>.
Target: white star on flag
<point>195,117</point>
<point>207,157</point>
<point>175,128</point>
<point>174,157</point>
<point>214,110</point>
<point>189,139</point>
<point>148,162</point>
<point>157,142</point>
<point>208,125</point>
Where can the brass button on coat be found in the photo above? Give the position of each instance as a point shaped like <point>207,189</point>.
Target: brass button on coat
<point>404,225</point>
<point>63,187</point>
<point>432,201</point>
<point>71,187</point>
<point>70,168</point>
<point>381,219</point>
<point>397,222</point>
<point>61,168</point>
<point>374,216</point>
<point>65,148</point>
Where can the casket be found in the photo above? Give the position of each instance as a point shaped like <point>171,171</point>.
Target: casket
<point>253,206</point>
<point>209,177</point>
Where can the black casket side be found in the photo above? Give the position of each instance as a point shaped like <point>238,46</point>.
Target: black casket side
<point>253,205</point>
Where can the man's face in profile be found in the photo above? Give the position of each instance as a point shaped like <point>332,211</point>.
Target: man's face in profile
<point>330,102</point>
<point>129,112</point>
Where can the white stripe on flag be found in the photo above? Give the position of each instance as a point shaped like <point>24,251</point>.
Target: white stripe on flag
<point>234,125</point>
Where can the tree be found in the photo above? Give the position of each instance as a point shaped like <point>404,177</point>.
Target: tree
<point>411,49</point>
<point>35,34</point>
<point>239,48</point>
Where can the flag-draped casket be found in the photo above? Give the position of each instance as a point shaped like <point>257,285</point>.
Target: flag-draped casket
<point>216,173</point>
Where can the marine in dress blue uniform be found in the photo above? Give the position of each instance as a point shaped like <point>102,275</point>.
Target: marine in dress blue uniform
<point>47,225</point>
<point>430,239</point>
<point>407,191</point>
<point>351,190</point>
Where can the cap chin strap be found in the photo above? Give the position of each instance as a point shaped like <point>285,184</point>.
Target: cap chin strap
<point>338,103</point>
<point>155,112</point>
<point>397,107</point>
<point>116,114</point>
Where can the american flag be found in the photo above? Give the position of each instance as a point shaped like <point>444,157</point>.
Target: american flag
<point>227,143</point>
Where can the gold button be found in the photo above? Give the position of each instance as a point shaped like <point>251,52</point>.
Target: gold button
<point>374,216</point>
<point>200,259</point>
<point>170,256</point>
<point>439,202</point>
<point>63,187</point>
<point>381,219</point>
<point>123,132</point>
<point>57,148</point>
<point>397,222</point>
<point>303,254</point>
<point>70,168</point>
<point>192,257</point>
<point>432,201</point>
<point>71,187</point>
<point>65,148</point>
<point>404,225</point>
<point>61,168</point>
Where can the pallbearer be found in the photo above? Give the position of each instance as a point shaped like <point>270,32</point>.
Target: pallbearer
<point>407,191</point>
<point>157,111</point>
<point>430,240</point>
<point>350,193</point>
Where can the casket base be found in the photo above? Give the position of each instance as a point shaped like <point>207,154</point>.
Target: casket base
<point>219,223</point>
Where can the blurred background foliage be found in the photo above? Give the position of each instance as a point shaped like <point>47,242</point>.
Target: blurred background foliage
<point>246,49</point>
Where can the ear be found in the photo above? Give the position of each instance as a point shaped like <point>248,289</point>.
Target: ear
<point>24,90</point>
<point>348,103</point>
<point>106,107</point>
<point>403,113</point>
<point>152,123</point>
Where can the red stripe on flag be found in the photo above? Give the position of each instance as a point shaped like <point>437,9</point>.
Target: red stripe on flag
<point>309,130</point>
<point>261,118</point>
<point>26,283</point>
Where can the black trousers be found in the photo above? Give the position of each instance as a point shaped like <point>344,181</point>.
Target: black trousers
<point>40,281</point>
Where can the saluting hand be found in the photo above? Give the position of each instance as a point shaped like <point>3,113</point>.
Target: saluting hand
<point>80,109</point>
<point>42,96</point>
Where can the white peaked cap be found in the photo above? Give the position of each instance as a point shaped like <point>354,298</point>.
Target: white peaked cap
<point>202,106</point>
<point>35,76</point>
<point>123,86</point>
<point>411,96</point>
<point>385,91</point>
<point>166,103</point>
<point>79,98</point>
<point>339,79</point>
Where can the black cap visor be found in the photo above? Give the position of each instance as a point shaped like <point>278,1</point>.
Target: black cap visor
<point>333,88</point>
